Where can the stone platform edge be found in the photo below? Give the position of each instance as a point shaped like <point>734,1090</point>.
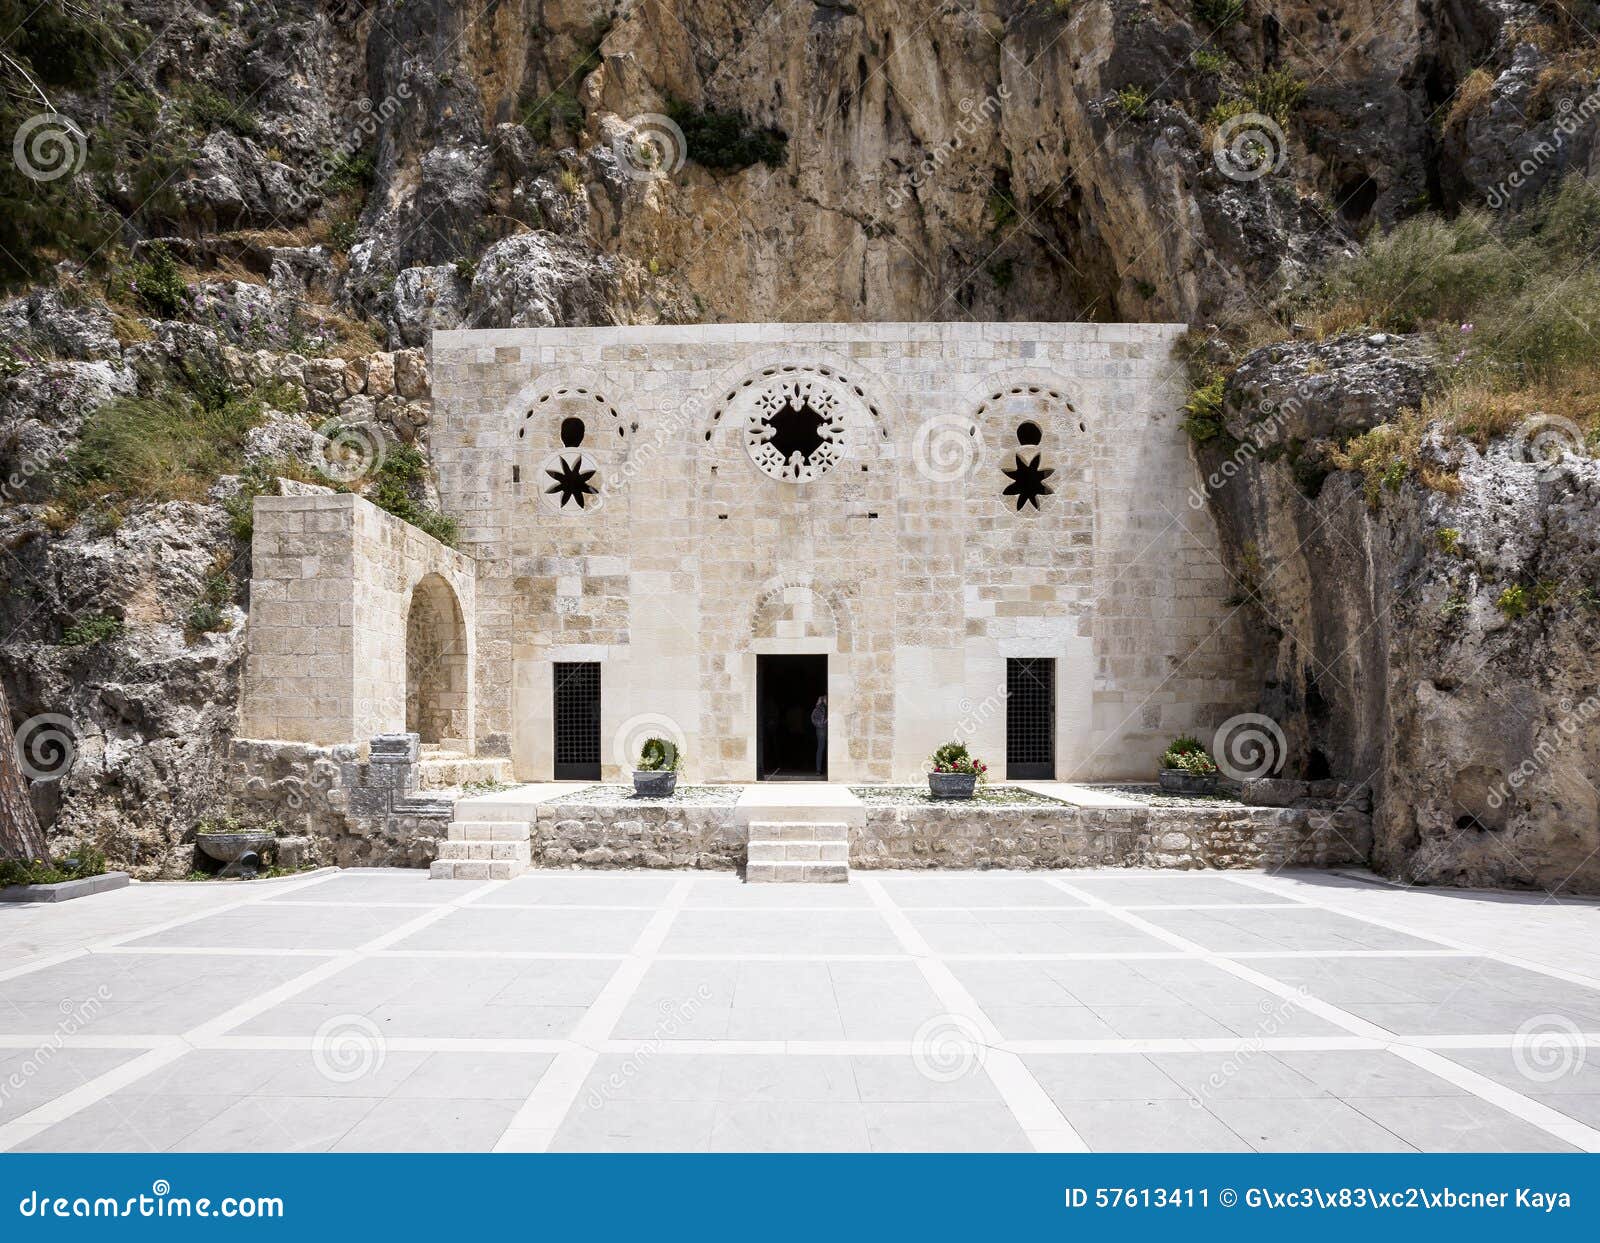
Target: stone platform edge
<point>66,890</point>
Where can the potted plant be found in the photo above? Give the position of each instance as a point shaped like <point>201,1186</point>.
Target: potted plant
<point>1186,768</point>
<point>656,773</point>
<point>955,772</point>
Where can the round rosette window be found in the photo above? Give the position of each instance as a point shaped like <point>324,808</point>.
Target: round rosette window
<point>795,430</point>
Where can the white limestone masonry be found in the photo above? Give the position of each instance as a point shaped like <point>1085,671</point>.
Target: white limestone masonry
<point>894,549</point>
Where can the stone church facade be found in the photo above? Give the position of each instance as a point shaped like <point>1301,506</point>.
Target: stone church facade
<point>972,531</point>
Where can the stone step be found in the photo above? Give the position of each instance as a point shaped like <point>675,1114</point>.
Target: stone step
<point>488,831</point>
<point>799,831</point>
<point>442,772</point>
<point>802,852</point>
<point>476,869</point>
<point>515,852</point>
<point>797,872</point>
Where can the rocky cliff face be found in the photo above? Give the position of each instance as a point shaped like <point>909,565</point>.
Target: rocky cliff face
<point>336,181</point>
<point>1434,640</point>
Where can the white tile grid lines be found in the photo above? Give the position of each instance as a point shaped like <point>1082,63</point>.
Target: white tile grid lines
<point>536,1123</point>
<point>168,1049</point>
<point>1515,1103</point>
<point>1041,1121</point>
<point>540,1117</point>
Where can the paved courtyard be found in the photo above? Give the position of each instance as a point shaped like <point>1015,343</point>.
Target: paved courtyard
<point>1061,1011</point>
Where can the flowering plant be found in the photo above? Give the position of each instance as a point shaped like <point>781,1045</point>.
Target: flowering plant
<point>953,757</point>
<point>1186,754</point>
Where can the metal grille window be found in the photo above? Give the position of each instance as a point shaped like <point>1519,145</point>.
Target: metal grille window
<point>1031,719</point>
<point>577,721</point>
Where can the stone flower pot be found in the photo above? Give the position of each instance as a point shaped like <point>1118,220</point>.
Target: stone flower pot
<point>1177,781</point>
<point>225,848</point>
<point>654,784</point>
<point>952,785</point>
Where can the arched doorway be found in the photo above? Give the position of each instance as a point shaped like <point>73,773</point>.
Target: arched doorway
<point>436,664</point>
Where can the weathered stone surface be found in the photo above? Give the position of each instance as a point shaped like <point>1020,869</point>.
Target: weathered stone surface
<point>1393,662</point>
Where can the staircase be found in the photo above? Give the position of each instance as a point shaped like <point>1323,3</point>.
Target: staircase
<point>443,766</point>
<point>483,850</point>
<point>797,850</point>
<point>798,831</point>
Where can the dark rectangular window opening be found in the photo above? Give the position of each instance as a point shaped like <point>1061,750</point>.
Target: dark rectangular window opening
<point>791,744</point>
<point>1031,719</point>
<point>577,720</point>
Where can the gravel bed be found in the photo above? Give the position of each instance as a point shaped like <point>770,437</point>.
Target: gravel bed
<point>1155,796</point>
<point>683,796</point>
<point>984,796</point>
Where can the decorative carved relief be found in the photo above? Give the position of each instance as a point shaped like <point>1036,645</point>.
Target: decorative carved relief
<point>795,430</point>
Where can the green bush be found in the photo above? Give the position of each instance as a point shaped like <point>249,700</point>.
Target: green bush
<point>87,862</point>
<point>953,757</point>
<point>87,631</point>
<point>1187,753</point>
<point>1514,602</point>
<point>206,613</point>
<point>1219,14</point>
<point>167,447</point>
<point>1205,408</point>
<point>208,109</point>
<point>558,110</point>
<point>659,755</point>
<point>157,283</point>
<point>727,140</point>
<point>1134,101</point>
<point>400,476</point>
<point>1276,93</point>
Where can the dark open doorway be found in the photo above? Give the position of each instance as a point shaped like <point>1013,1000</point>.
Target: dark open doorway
<point>787,690</point>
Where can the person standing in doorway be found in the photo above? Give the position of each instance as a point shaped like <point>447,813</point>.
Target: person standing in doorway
<point>819,722</point>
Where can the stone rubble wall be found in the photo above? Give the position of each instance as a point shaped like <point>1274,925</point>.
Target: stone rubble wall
<point>626,836</point>
<point>348,805</point>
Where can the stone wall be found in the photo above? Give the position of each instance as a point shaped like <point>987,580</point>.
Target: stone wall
<point>628,835</point>
<point>334,583</point>
<point>1074,837</point>
<point>348,805</point>
<point>896,552</point>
